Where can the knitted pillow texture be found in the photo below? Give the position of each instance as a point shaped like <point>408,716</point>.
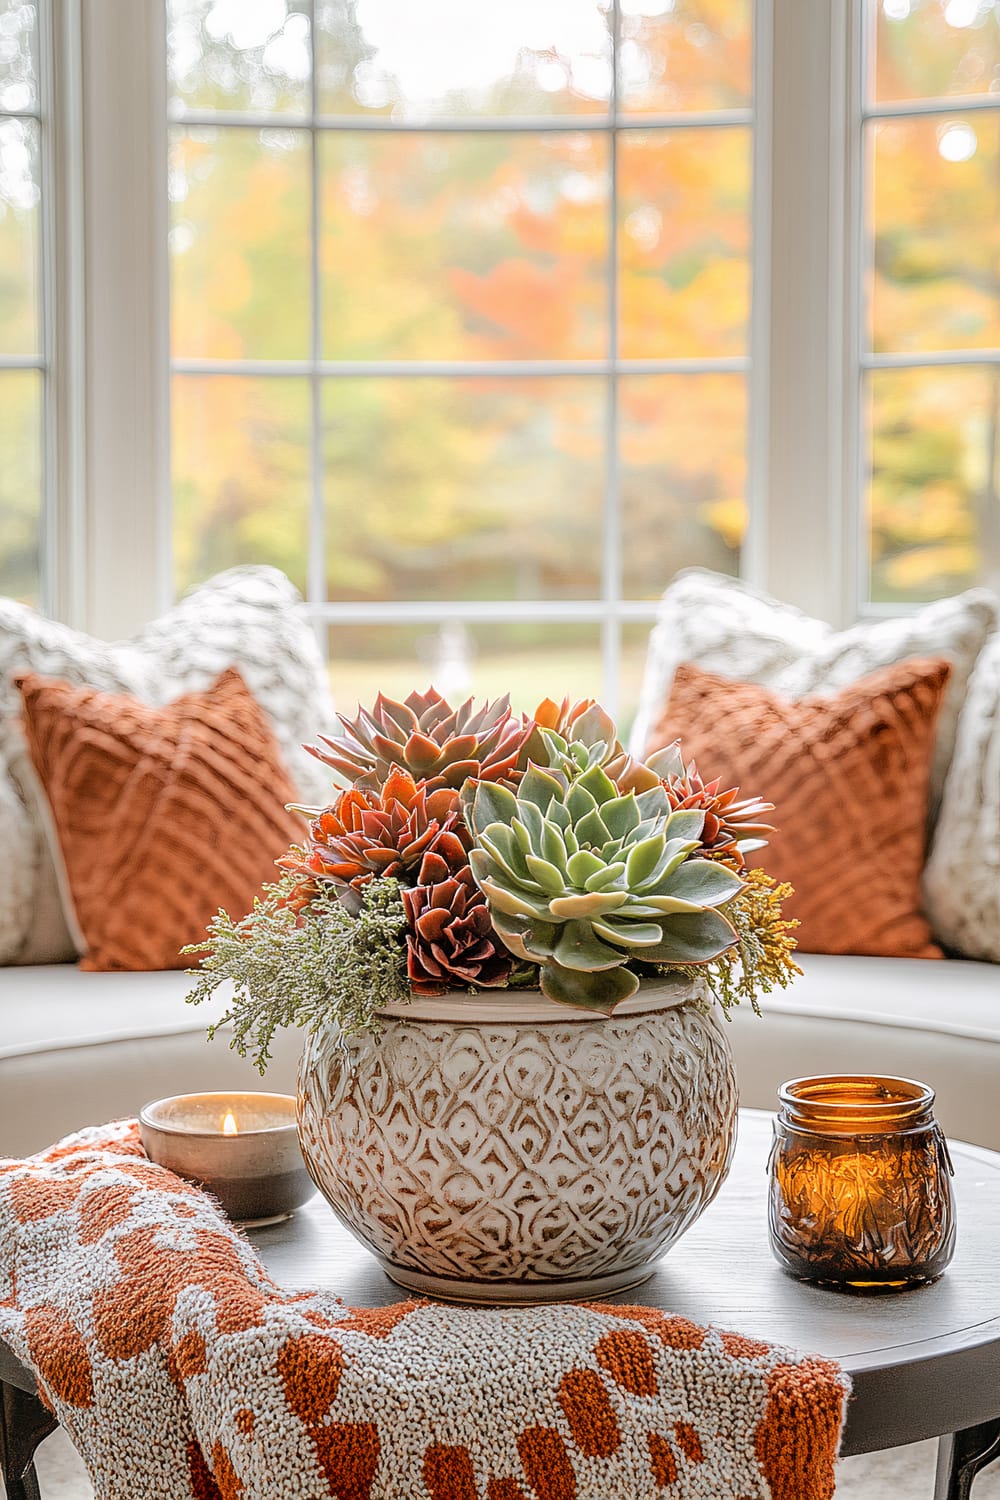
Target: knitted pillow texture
<point>727,627</point>
<point>962,877</point>
<point>250,618</point>
<point>162,815</point>
<point>848,775</point>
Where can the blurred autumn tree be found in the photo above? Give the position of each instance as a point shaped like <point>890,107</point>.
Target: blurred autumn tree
<point>934,285</point>
<point>462,246</point>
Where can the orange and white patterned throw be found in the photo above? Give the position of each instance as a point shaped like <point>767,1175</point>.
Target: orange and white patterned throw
<point>183,1372</point>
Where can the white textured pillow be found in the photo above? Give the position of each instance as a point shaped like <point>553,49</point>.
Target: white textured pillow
<point>962,875</point>
<point>249,617</point>
<point>727,627</point>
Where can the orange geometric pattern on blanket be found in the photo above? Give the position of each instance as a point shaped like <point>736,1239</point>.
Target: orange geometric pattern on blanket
<point>260,1393</point>
<point>590,1415</point>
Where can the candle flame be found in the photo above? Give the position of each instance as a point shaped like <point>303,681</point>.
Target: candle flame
<point>229,1125</point>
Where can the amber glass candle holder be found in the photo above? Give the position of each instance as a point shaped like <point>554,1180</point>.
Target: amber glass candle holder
<point>860,1184</point>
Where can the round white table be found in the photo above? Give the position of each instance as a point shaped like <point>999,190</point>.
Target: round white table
<point>924,1363</point>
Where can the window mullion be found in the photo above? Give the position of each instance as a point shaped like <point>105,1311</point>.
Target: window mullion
<point>126,286</point>
<point>316,560</point>
<point>807,548</point>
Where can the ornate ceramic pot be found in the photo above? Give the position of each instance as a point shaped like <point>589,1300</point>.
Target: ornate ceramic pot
<point>500,1148</point>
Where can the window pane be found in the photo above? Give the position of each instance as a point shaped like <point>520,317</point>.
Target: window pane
<point>18,49</point>
<point>684,242</point>
<point>463,489</point>
<point>683,476</point>
<point>936,226</point>
<point>240,474</point>
<point>685,54</point>
<point>21,485</point>
<point>464,246</point>
<point>239,54</point>
<point>631,666</point>
<point>531,661</point>
<point>934,507</point>
<point>239,244</point>
<point>19,233</point>
<point>452,57</point>
<point>924,48</point>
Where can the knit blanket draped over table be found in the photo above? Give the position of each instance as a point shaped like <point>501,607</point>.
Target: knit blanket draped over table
<point>183,1372</point>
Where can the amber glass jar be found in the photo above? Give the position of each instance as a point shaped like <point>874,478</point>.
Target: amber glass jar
<point>860,1184</point>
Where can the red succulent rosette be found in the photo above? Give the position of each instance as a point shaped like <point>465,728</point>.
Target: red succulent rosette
<point>367,834</point>
<point>451,943</point>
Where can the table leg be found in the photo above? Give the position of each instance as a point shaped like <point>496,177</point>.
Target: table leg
<point>24,1422</point>
<point>961,1455</point>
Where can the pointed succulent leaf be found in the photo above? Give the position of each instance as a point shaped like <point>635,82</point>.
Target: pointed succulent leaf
<point>747,846</point>
<point>554,849</point>
<point>500,843</point>
<point>590,830</point>
<point>630,774</point>
<point>600,991</point>
<point>642,860</point>
<point>586,904</point>
<point>671,905</point>
<point>686,824</point>
<point>703,881</point>
<point>694,938</point>
<point>595,725</point>
<point>647,829</point>
<point>578,948</point>
<point>653,803</point>
<point>607,875</point>
<point>491,803</point>
<point>667,762</point>
<point>531,940</point>
<point>675,852</point>
<point>545,875</point>
<point>555,746</point>
<point>599,785</point>
<point>638,911</point>
<point>399,713</point>
<point>559,813</point>
<point>579,802</point>
<point>582,865</point>
<point>621,815</point>
<point>540,786</point>
<point>534,823</point>
<point>520,833</point>
<point>628,934</point>
<point>513,903</point>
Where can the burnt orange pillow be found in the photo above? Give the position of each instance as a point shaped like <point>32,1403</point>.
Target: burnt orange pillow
<point>162,815</point>
<point>848,775</point>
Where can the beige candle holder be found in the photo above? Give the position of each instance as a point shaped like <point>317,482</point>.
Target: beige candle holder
<point>242,1148</point>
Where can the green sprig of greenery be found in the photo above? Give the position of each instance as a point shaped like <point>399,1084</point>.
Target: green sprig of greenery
<point>313,969</point>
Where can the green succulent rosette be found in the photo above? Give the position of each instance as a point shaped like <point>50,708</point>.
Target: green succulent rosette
<point>581,879</point>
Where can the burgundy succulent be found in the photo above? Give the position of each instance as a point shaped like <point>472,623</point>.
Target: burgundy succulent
<point>451,941</point>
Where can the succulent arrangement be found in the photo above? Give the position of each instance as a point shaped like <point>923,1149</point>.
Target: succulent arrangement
<point>472,848</point>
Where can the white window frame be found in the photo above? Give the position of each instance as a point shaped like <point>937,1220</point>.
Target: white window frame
<point>803,442</point>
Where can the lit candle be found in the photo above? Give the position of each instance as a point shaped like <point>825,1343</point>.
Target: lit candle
<point>860,1193</point>
<point>243,1148</point>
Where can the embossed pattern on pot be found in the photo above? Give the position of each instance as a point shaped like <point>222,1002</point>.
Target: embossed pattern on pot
<point>523,1151</point>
